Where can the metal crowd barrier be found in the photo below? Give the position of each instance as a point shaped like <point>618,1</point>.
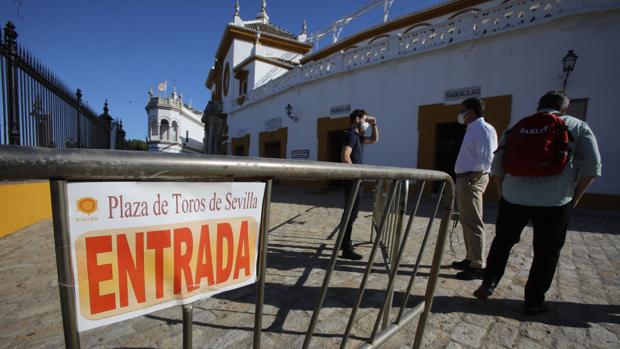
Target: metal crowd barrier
<point>61,166</point>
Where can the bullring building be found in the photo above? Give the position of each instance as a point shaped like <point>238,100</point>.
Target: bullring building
<point>274,95</point>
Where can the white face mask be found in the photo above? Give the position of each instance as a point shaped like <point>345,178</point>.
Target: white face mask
<point>461,118</point>
<point>364,126</point>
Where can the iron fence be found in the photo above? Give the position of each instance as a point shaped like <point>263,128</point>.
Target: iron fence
<point>62,166</point>
<point>38,109</point>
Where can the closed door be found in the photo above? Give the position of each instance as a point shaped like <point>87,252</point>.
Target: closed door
<point>272,150</point>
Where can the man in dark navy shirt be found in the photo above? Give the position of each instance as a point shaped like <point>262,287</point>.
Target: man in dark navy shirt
<point>353,153</point>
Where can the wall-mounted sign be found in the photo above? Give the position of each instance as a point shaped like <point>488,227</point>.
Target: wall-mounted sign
<point>462,93</point>
<point>140,247</point>
<point>300,154</point>
<point>340,109</point>
<point>273,124</point>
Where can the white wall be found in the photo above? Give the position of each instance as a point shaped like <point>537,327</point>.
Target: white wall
<point>523,63</point>
<point>264,72</point>
<point>238,52</point>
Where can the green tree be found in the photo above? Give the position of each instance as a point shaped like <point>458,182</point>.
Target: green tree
<point>137,144</point>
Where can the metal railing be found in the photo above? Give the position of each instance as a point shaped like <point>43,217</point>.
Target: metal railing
<point>37,109</point>
<point>62,166</point>
<point>506,16</point>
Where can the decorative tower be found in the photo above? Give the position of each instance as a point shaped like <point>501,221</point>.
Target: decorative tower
<point>237,16</point>
<point>303,36</point>
<point>262,15</point>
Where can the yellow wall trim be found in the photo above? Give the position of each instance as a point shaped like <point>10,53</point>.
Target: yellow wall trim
<point>23,204</point>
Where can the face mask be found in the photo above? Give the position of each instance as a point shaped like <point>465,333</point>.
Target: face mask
<point>461,118</point>
<point>364,126</point>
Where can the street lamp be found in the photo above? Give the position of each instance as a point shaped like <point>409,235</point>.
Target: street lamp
<point>568,65</point>
<point>289,112</point>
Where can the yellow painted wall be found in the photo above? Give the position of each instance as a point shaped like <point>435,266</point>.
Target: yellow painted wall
<point>23,204</point>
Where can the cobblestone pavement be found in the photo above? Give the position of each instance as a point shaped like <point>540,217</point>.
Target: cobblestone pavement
<point>584,298</point>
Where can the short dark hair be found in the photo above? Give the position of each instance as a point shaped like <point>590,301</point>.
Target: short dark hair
<point>357,113</point>
<point>474,103</point>
<point>557,100</point>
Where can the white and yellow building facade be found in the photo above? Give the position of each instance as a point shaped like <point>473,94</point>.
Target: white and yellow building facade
<point>276,98</point>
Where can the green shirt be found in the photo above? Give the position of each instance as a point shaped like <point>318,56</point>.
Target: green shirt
<point>555,190</point>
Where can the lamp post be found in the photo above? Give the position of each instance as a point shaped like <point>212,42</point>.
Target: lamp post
<point>289,112</point>
<point>568,65</point>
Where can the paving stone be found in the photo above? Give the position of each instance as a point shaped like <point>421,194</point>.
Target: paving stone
<point>601,336</point>
<point>577,335</point>
<point>453,345</point>
<point>563,343</point>
<point>526,343</point>
<point>491,345</point>
<point>503,334</point>
<point>468,334</point>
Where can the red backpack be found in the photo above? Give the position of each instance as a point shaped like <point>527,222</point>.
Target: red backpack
<point>537,146</point>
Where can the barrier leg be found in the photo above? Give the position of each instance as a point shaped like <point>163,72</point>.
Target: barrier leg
<point>421,252</point>
<point>390,201</point>
<point>387,303</point>
<point>262,263</point>
<point>432,278</point>
<point>188,313</point>
<point>62,243</point>
<point>332,263</point>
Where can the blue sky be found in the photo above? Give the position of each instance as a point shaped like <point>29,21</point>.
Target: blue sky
<point>117,49</point>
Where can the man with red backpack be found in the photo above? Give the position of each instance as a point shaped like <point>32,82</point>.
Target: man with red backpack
<point>542,167</point>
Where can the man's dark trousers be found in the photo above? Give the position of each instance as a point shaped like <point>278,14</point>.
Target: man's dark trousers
<point>550,225</point>
<point>348,185</point>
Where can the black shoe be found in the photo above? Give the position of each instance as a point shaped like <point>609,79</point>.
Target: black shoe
<point>535,310</point>
<point>484,291</point>
<point>350,254</point>
<point>462,265</point>
<point>470,274</point>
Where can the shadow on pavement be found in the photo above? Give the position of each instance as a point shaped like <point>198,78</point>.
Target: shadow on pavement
<point>565,314</point>
<point>288,298</point>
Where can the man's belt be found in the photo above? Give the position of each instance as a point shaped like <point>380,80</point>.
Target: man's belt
<point>467,174</point>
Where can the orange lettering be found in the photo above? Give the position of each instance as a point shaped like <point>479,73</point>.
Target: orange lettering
<point>97,273</point>
<point>181,261</point>
<point>243,252</point>
<point>126,267</point>
<point>158,240</point>
<point>224,232</point>
<point>204,269</point>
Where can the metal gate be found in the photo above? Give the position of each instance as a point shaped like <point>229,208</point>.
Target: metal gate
<point>62,166</point>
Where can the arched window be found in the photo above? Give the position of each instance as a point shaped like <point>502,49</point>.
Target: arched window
<point>416,26</point>
<point>378,38</point>
<point>469,10</point>
<point>175,131</point>
<point>164,130</point>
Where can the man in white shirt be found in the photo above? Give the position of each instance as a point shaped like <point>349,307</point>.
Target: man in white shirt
<point>472,168</point>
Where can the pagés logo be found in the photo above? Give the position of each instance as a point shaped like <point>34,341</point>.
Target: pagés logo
<point>87,205</point>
